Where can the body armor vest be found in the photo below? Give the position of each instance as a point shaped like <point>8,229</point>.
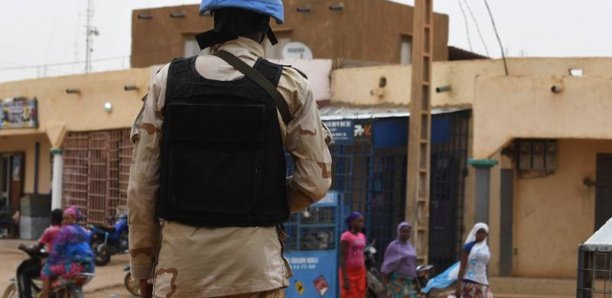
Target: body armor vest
<point>222,155</point>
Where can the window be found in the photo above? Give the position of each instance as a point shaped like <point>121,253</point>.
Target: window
<point>406,50</point>
<point>536,156</point>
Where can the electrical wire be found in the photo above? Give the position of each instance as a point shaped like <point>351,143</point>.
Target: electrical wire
<point>484,44</point>
<point>501,47</point>
<point>467,25</point>
<point>60,64</point>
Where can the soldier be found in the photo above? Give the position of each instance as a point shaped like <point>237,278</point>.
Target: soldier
<point>208,159</point>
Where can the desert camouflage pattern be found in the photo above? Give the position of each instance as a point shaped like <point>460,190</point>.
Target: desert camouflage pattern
<point>185,261</point>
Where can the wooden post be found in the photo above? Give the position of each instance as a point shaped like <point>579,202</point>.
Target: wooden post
<point>417,194</point>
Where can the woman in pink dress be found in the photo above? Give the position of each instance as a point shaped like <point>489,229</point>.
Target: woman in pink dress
<point>352,264</point>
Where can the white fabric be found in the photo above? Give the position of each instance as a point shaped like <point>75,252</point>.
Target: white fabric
<point>603,236</point>
<point>476,267</point>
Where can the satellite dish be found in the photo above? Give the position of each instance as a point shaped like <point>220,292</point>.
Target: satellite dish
<point>296,50</point>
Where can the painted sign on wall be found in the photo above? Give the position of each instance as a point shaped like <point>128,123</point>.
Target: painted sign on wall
<point>18,112</point>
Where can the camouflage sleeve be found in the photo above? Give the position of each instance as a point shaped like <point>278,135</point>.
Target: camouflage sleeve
<point>144,236</point>
<point>307,141</point>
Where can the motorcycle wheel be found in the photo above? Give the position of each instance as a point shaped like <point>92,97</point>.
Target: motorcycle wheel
<point>131,285</point>
<point>101,252</point>
<point>10,292</point>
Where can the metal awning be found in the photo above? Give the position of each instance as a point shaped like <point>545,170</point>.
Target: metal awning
<point>341,112</point>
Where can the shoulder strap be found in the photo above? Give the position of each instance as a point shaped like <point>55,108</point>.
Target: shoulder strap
<point>260,80</point>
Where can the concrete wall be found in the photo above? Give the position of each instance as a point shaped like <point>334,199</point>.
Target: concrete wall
<point>354,85</point>
<point>84,111</point>
<point>26,144</point>
<point>524,107</point>
<point>353,33</point>
<point>518,105</point>
<point>554,214</point>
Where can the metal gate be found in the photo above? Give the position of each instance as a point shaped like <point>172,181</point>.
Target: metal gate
<point>370,173</point>
<point>96,172</point>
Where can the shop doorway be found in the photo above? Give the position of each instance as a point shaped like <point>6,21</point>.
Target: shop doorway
<point>603,192</point>
<point>11,191</point>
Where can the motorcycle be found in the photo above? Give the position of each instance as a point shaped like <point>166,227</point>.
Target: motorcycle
<point>130,283</point>
<point>374,278</point>
<point>60,288</point>
<point>107,241</point>
<point>375,286</point>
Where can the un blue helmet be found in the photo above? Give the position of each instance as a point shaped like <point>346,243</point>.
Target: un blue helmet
<point>272,8</point>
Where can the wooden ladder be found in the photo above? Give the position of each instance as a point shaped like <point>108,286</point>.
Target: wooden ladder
<point>419,145</point>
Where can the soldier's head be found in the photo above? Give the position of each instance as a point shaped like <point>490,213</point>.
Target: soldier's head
<point>235,18</point>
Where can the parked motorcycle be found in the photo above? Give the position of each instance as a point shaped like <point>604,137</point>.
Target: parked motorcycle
<point>107,241</point>
<point>130,283</point>
<point>60,288</point>
<point>374,278</point>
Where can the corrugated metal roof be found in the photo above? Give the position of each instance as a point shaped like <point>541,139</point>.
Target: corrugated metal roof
<point>340,112</point>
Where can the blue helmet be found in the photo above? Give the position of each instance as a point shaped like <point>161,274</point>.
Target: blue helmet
<point>273,8</point>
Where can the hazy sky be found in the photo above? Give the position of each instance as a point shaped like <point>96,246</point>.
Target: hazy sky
<point>39,32</point>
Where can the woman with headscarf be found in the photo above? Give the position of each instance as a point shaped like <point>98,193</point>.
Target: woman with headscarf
<point>400,263</point>
<point>472,279</point>
<point>71,252</point>
<point>352,263</point>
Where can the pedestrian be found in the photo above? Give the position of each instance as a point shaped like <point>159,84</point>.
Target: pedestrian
<point>352,262</point>
<point>71,253</point>
<point>399,265</point>
<point>472,279</point>
<point>30,268</point>
<point>209,160</point>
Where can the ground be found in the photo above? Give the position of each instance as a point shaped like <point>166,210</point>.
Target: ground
<point>108,281</point>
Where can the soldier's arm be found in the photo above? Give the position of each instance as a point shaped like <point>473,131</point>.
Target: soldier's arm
<point>307,141</point>
<point>143,184</point>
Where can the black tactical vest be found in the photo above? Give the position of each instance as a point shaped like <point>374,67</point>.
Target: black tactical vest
<point>223,161</point>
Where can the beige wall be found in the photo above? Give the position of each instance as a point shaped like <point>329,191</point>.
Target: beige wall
<point>505,107</point>
<point>26,144</point>
<point>354,85</point>
<point>84,111</point>
<point>554,214</point>
<point>524,107</point>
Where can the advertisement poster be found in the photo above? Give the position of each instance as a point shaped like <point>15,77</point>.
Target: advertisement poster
<point>314,273</point>
<point>18,113</point>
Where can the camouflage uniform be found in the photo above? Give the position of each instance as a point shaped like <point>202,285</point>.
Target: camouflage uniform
<point>187,261</point>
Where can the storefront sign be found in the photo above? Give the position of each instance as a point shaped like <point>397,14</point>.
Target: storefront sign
<point>342,131</point>
<point>18,112</point>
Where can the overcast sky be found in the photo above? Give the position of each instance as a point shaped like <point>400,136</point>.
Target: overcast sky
<point>38,32</point>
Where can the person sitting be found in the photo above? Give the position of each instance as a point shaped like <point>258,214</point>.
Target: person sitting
<point>71,253</point>
<point>30,268</point>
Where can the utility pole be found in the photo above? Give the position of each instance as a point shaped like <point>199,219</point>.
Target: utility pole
<point>419,145</point>
<point>91,32</point>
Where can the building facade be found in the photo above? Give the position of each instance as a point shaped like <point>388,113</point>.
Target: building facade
<point>376,31</point>
<point>544,129</point>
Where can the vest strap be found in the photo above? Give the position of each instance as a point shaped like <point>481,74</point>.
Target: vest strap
<point>260,80</point>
